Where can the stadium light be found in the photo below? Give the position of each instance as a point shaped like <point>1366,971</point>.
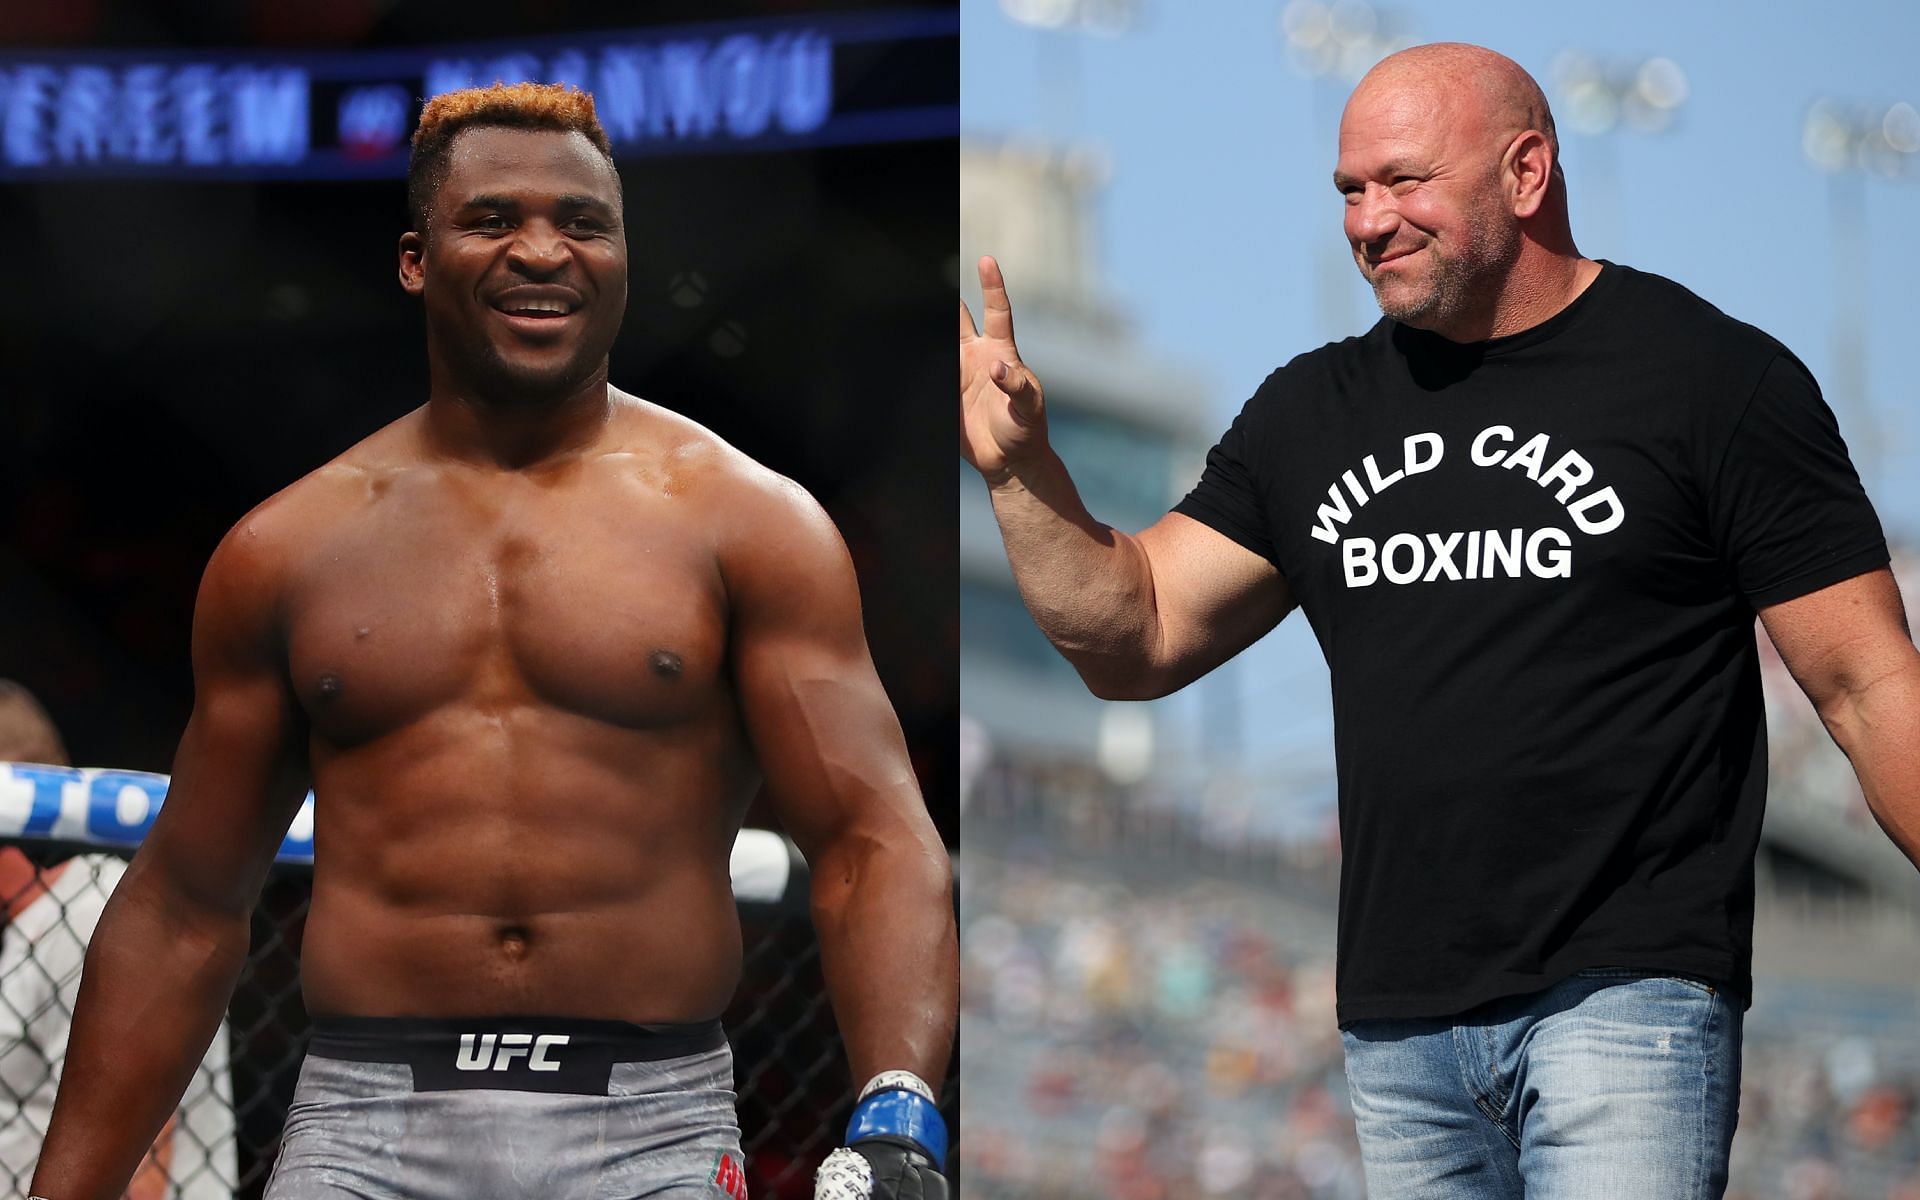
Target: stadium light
<point>1836,138</point>
<point>1598,97</point>
<point>1108,18</point>
<point>1849,144</point>
<point>1344,38</point>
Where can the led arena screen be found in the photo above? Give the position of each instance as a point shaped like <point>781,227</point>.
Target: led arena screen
<point>758,85</point>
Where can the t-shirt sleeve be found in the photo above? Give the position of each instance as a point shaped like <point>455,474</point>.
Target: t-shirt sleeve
<point>1787,507</point>
<point>1228,497</point>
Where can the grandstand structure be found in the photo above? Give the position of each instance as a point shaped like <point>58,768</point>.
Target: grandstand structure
<point>1134,426</point>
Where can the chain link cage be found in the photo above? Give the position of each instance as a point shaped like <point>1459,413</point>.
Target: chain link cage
<point>790,1070</point>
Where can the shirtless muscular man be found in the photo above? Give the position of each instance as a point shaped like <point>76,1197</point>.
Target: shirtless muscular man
<point>535,643</point>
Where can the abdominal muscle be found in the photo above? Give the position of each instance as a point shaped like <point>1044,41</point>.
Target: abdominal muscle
<point>644,963</point>
<point>561,885</point>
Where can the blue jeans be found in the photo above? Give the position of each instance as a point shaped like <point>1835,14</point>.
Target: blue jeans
<point>1610,1084</point>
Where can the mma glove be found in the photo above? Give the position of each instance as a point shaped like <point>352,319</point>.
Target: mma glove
<point>896,1145</point>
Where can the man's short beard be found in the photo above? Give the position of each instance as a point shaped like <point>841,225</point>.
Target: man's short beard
<point>499,381</point>
<point>1457,284</point>
<point>508,383</point>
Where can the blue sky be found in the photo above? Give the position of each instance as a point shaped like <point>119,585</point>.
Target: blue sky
<point>1220,227</point>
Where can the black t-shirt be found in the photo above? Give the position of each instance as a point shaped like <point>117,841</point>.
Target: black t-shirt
<point>1532,564</point>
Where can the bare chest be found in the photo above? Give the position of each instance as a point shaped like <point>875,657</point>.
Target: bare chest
<point>592,601</point>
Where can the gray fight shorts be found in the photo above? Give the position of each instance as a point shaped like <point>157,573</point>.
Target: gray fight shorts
<point>511,1108</point>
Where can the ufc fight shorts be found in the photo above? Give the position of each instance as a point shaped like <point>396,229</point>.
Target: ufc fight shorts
<point>413,1109</point>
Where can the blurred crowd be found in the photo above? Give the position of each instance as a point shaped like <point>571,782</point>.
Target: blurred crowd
<point>1144,1045</point>
<point>1147,1014</point>
<point>1827,1111</point>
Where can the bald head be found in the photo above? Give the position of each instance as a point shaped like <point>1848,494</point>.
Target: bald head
<point>1464,85</point>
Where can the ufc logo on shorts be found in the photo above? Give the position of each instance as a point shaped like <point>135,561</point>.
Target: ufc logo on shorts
<point>729,1178</point>
<point>496,1051</point>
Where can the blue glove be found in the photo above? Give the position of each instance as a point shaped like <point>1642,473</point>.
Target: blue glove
<point>896,1145</point>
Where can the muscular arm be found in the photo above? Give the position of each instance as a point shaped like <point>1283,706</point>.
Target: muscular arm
<point>839,778</point>
<point>172,939</point>
<point>1138,616</point>
<point>1849,648</point>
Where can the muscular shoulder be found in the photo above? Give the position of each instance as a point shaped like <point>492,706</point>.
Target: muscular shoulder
<point>758,521</point>
<point>267,543</point>
<point>245,579</point>
<point>1318,383</point>
<point>1668,313</point>
<point>1332,361</point>
<point>697,464</point>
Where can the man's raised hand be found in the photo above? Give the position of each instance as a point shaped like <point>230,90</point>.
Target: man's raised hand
<point>1003,421</point>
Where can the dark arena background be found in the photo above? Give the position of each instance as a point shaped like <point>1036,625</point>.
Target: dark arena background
<point>202,204</point>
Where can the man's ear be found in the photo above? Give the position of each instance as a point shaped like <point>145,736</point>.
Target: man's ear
<point>1529,171</point>
<point>413,263</point>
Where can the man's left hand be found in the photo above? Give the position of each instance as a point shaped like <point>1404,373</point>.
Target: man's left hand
<point>880,1170</point>
<point>896,1144</point>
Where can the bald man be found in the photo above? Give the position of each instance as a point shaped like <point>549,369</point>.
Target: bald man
<point>1531,515</point>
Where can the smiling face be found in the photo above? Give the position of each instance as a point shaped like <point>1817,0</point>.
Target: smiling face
<point>523,267</point>
<point>1421,169</point>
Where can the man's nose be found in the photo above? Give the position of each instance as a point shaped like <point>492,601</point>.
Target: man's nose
<point>539,247</point>
<point>1372,217</point>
